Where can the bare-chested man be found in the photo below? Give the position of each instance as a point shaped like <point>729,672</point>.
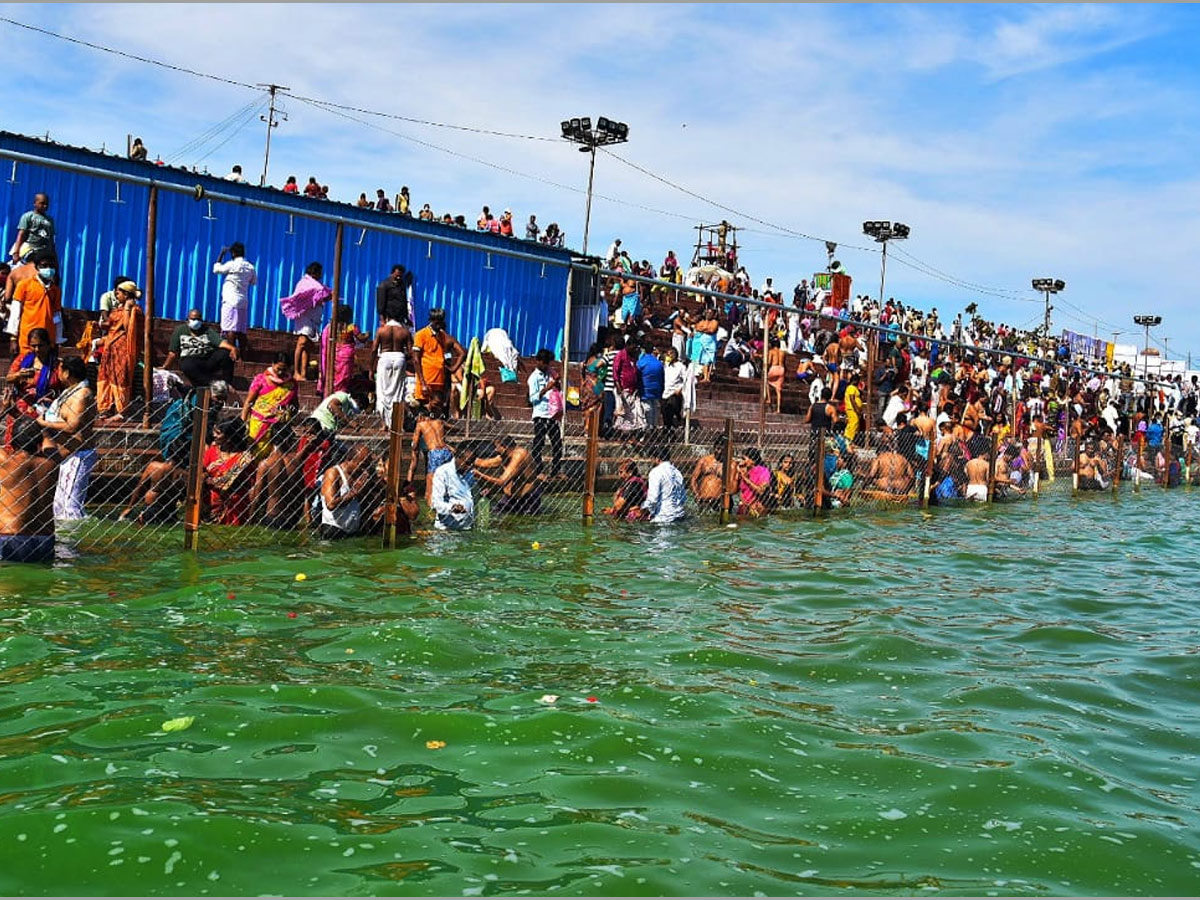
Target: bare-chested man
<point>389,354</point>
<point>518,481</point>
<point>977,479</point>
<point>278,496</point>
<point>706,478</point>
<point>890,473</point>
<point>27,478</point>
<point>1092,470</point>
<point>69,426</point>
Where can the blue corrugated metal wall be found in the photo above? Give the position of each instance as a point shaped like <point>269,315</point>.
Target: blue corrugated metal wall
<point>100,238</point>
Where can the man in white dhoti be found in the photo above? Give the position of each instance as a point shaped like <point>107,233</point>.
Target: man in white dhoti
<point>389,355</point>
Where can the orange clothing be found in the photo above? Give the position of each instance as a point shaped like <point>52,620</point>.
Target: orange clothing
<point>39,306</point>
<point>118,361</point>
<point>433,360</point>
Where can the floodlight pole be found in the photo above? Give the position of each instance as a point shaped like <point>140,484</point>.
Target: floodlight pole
<point>587,216</point>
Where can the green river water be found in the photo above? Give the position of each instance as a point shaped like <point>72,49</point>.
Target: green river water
<point>998,700</point>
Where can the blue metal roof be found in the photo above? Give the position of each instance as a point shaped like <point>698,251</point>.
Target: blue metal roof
<point>101,224</point>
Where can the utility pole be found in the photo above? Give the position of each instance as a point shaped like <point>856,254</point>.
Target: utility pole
<point>272,123</point>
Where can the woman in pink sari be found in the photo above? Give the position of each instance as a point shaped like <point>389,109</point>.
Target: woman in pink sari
<point>349,337</point>
<point>754,480</point>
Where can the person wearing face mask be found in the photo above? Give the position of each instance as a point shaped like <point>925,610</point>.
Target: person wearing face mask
<point>203,355</point>
<point>40,299</point>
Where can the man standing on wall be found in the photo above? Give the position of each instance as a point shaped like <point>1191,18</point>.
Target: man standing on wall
<point>235,293</point>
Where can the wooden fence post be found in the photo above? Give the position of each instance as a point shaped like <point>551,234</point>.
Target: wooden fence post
<point>991,484</point>
<point>819,465</point>
<point>727,475</point>
<point>1166,474</point>
<point>927,488</point>
<point>195,476</point>
<point>592,423</point>
<point>331,347</point>
<point>1075,471</point>
<point>1116,474</point>
<point>395,452</point>
<point>148,297</point>
<point>1035,477</point>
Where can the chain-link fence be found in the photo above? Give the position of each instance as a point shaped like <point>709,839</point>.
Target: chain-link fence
<point>203,478</point>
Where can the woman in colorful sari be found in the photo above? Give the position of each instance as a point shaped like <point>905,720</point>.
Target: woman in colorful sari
<point>119,353</point>
<point>349,337</point>
<point>31,377</point>
<point>228,470</point>
<point>271,400</point>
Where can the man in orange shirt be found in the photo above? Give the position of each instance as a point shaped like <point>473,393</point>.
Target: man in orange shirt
<point>40,299</point>
<point>437,356</point>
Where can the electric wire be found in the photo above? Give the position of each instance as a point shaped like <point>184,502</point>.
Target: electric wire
<point>246,120</point>
<point>215,130</point>
<point>496,166</point>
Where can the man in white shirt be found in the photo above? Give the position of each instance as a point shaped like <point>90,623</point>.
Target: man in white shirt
<point>235,293</point>
<point>450,497</point>
<point>666,494</point>
<point>236,175</point>
<point>674,378</point>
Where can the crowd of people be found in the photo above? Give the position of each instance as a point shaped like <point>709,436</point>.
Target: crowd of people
<point>924,410</point>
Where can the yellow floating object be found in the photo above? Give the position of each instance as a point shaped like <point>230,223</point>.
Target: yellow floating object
<point>300,576</point>
<point>434,745</point>
<point>178,724</point>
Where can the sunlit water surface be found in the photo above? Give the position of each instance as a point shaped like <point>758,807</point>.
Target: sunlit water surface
<point>1000,700</point>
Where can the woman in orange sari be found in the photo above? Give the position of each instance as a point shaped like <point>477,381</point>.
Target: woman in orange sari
<point>120,348</point>
<point>271,400</point>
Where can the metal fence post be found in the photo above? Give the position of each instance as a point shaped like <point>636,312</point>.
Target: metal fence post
<point>762,395</point>
<point>592,422</point>
<point>195,476</point>
<point>1187,469</point>
<point>727,475</point>
<point>395,450</point>
<point>1137,476</point>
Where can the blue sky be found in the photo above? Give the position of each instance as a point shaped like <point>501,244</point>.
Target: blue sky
<point>1016,141</point>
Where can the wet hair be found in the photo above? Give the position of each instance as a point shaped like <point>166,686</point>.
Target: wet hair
<point>27,435</point>
<point>236,249</point>
<point>75,367</point>
<point>284,437</point>
<point>41,334</point>
<point>545,356</point>
<point>235,432</point>
<point>314,270</point>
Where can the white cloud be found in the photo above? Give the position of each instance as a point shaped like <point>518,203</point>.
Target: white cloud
<point>1015,140</point>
